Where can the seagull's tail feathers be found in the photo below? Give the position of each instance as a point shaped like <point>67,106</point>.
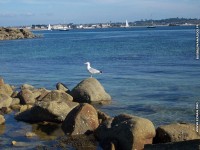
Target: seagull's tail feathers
<point>101,72</point>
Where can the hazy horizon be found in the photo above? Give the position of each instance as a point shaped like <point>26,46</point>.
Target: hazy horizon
<point>27,12</point>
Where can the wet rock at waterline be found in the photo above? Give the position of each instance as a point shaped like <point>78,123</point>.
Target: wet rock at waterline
<point>176,132</point>
<point>80,120</point>
<point>90,90</point>
<point>126,131</point>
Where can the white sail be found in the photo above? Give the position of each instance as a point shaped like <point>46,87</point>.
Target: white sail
<point>127,25</point>
<point>49,27</point>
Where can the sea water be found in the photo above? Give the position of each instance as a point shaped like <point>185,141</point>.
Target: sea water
<point>151,73</point>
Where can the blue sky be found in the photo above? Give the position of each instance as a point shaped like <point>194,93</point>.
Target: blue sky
<point>27,12</point>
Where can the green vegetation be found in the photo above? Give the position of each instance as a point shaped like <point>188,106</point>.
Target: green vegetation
<point>169,21</point>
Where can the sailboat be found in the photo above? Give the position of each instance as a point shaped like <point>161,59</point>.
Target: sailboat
<point>127,25</point>
<point>49,27</point>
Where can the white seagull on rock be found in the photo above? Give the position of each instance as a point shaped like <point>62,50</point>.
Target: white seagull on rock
<point>92,70</point>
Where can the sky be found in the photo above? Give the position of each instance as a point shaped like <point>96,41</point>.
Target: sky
<point>28,12</point>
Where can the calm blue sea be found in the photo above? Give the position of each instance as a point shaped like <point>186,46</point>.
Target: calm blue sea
<point>150,73</point>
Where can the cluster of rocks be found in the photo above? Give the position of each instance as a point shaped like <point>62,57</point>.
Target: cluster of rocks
<point>74,110</point>
<point>13,33</point>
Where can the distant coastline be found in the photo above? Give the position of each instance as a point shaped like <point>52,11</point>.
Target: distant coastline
<point>141,23</point>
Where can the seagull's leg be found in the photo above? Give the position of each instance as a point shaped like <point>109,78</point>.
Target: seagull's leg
<point>91,76</point>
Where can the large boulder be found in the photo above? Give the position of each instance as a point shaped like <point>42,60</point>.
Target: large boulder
<point>81,120</point>
<point>5,100</point>
<point>53,111</point>
<point>90,90</point>
<point>57,95</point>
<point>176,132</point>
<point>5,88</point>
<point>126,131</point>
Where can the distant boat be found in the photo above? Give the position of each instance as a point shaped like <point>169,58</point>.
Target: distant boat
<point>64,29</point>
<point>152,25</point>
<point>49,27</point>
<point>127,25</point>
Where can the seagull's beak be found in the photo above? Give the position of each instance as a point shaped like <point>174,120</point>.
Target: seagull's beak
<point>85,63</point>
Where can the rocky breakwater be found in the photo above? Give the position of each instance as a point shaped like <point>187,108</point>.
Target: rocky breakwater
<point>13,33</point>
<point>86,127</point>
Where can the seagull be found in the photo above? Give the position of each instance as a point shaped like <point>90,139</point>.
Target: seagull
<point>92,70</point>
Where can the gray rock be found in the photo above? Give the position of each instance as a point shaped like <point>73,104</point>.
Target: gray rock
<point>15,94</point>
<point>15,101</point>
<point>129,132</point>
<point>57,95</point>
<point>90,90</point>
<point>53,111</point>
<point>80,120</point>
<point>29,95</point>
<point>176,132</point>
<point>5,89</point>
<point>43,93</point>
<point>62,87</point>
<point>5,100</point>
<point>26,96</point>
<point>182,145</point>
<point>27,86</point>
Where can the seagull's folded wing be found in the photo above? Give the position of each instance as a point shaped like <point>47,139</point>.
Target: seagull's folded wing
<point>94,71</point>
